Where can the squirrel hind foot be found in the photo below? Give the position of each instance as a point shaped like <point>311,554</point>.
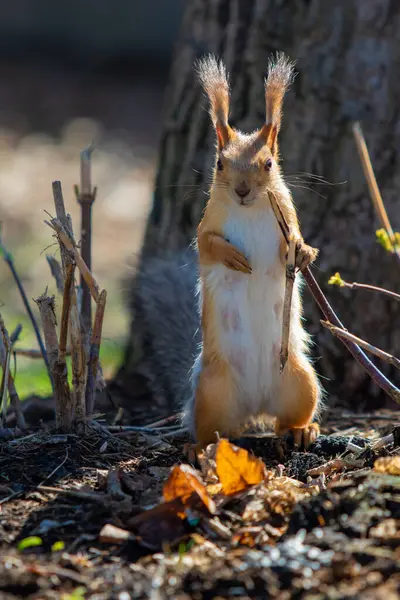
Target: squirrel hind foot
<point>303,437</point>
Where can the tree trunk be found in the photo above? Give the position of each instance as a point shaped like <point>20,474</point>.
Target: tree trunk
<point>348,57</point>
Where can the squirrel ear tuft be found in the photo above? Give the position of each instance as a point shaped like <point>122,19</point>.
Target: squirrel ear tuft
<point>214,79</point>
<point>280,76</point>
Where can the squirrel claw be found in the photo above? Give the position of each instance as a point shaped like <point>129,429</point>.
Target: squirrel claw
<point>302,437</point>
<point>237,262</point>
<point>305,255</point>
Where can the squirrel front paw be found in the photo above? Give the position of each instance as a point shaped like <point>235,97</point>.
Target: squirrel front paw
<point>233,259</point>
<point>305,254</point>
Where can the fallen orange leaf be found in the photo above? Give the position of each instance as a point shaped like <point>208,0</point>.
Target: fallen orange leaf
<point>236,468</point>
<point>182,482</point>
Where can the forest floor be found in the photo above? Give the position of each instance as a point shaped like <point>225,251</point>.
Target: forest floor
<point>238,527</point>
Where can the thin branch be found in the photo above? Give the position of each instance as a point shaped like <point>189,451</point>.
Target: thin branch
<point>364,286</point>
<point>86,197</point>
<point>290,278</point>
<point>9,260</point>
<point>94,353</point>
<point>78,359</point>
<point>66,240</point>
<point>80,263</point>
<point>66,307</point>
<point>33,353</point>
<point>56,271</point>
<point>6,368</point>
<point>13,394</point>
<point>343,333</point>
<point>64,407</point>
<point>372,184</point>
<point>376,375</point>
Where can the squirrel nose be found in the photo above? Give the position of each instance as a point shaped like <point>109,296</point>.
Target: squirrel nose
<point>242,189</point>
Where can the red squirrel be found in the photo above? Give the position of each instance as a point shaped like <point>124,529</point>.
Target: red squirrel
<point>242,264</point>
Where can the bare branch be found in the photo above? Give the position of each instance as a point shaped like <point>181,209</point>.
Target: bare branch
<point>56,271</point>
<point>290,278</point>
<point>94,353</point>
<point>70,246</point>
<point>360,356</point>
<point>343,333</point>
<point>66,306</point>
<point>64,406</point>
<point>337,280</point>
<point>6,368</point>
<point>372,185</point>
<point>9,260</point>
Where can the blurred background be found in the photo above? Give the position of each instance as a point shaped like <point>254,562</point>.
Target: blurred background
<point>73,73</point>
<point>120,74</point>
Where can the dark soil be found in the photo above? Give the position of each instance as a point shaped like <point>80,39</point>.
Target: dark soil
<point>343,542</point>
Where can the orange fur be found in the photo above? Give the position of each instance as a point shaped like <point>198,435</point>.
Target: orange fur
<point>248,162</point>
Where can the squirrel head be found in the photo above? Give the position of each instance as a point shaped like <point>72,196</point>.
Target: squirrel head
<point>246,165</point>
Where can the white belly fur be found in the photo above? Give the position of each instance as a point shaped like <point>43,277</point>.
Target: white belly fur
<point>248,308</point>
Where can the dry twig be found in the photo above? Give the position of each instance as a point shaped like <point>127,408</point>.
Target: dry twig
<point>373,186</point>
<point>337,280</point>
<point>9,260</point>
<point>343,333</point>
<point>375,374</point>
<point>66,306</point>
<point>56,271</point>
<point>86,197</point>
<point>94,353</point>
<point>290,277</point>
<point>13,394</point>
<point>64,407</point>
<point>6,368</point>
<point>67,242</point>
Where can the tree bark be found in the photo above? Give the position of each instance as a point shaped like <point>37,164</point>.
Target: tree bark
<point>348,58</point>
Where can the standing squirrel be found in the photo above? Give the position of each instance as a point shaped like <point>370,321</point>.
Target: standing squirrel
<point>242,263</point>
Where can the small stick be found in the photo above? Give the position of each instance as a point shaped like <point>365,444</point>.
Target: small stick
<point>383,441</point>
<point>56,271</point>
<point>336,464</point>
<point>372,184</point>
<point>33,353</point>
<point>15,334</point>
<point>13,394</point>
<point>165,421</point>
<point>372,288</point>
<point>65,313</point>
<point>64,407</point>
<point>376,375</point>
<point>343,333</point>
<point>71,247</point>
<point>86,197</point>
<point>6,368</point>
<point>141,429</point>
<point>290,278</point>
<point>9,260</point>
<point>91,496</point>
<point>66,240</point>
<point>94,353</point>
<point>337,280</point>
<point>78,357</point>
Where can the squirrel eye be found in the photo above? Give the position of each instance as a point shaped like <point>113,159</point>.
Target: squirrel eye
<point>220,166</point>
<point>268,164</point>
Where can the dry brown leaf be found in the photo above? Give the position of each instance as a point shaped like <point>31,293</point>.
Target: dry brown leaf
<point>388,464</point>
<point>236,468</point>
<point>182,483</point>
<point>164,523</point>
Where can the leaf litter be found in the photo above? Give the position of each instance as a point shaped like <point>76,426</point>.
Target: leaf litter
<point>249,522</point>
